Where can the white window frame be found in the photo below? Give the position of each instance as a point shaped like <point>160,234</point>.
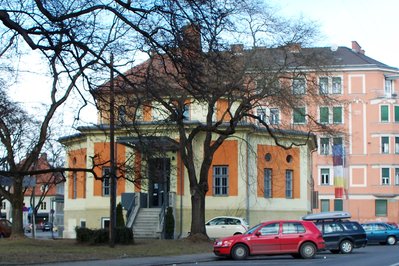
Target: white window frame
<point>396,144</point>
<point>396,176</point>
<point>333,91</point>
<point>325,149</point>
<point>388,87</point>
<point>296,88</point>
<point>384,145</point>
<point>325,180</point>
<point>385,180</point>
<point>324,87</point>
<point>383,121</point>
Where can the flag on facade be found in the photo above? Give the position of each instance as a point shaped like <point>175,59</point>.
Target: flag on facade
<point>338,163</point>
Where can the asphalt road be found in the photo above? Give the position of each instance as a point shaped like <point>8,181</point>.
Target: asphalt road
<point>374,255</point>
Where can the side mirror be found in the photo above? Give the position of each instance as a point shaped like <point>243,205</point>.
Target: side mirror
<point>257,233</point>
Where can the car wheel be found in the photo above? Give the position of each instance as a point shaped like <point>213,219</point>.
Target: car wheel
<point>307,250</point>
<point>391,240</point>
<point>346,247</point>
<point>239,252</point>
<point>238,233</point>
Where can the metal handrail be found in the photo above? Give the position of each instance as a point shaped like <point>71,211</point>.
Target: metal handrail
<point>133,210</point>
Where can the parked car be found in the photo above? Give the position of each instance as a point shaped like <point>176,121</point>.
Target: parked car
<point>223,226</point>
<point>297,238</point>
<point>47,226</point>
<point>5,228</point>
<point>341,235</point>
<point>381,233</point>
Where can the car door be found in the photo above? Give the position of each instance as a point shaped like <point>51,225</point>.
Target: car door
<point>332,233</point>
<point>266,240</point>
<point>379,233</point>
<point>217,228</point>
<point>292,235</point>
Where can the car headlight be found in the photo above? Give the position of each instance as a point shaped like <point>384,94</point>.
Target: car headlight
<point>223,244</point>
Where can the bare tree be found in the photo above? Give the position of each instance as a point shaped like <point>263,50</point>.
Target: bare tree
<point>193,65</point>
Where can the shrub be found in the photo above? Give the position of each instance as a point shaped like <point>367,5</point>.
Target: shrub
<point>123,235</point>
<point>169,224</point>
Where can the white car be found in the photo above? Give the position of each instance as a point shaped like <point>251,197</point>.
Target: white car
<point>223,226</point>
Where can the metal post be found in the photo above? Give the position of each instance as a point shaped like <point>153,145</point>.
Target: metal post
<point>112,159</point>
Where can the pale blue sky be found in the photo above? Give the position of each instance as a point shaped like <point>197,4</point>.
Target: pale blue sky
<point>372,23</point>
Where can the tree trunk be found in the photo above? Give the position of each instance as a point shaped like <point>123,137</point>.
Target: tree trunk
<point>17,202</point>
<point>198,213</point>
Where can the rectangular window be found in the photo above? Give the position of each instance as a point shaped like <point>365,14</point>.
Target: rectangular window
<point>338,205</point>
<point>274,116</point>
<point>325,176</point>
<point>325,205</point>
<point>43,206</point>
<point>396,176</point>
<point>324,146</point>
<point>220,180</point>
<point>298,86</point>
<point>3,205</point>
<point>261,113</point>
<point>381,208</point>
<point>384,116</point>
<point>299,115</point>
<point>75,186</point>
<point>186,112</point>
<point>336,85</point>
<point>288,184</point>
<point>323,85</point>
<point>267,173</point>
<point>324,115</point>
<point>396,114</point>
<point>388,88</point>
<point>385,145</point>
<point>397,145</point>
<point>106,181</point>
<point>337,115</point>
<point>385,176</point>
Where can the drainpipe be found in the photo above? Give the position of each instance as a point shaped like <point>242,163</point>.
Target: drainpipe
<point>181,197</point>
<point>247,189</point>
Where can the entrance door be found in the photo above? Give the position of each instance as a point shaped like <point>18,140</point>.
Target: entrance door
<point>159,181</point>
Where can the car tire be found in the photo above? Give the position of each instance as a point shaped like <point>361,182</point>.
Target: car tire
<point>307,250</point>
<point>346,247</point>
<point>391,240</point>
<point>239,252</point>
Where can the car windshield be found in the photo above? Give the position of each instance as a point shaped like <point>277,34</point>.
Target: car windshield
<point>252,230</point>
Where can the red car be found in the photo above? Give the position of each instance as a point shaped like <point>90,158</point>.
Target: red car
<point>301,239</point>
<point>5,228</point>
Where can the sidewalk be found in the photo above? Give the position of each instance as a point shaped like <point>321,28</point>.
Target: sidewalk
<point>142,261</point>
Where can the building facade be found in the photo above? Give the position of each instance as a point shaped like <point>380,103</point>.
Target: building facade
<point>369,117</point>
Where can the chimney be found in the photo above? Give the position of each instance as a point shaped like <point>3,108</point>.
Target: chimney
<point>237,48</point>
<point>357,48</point>
<point>191,37</point>
<point>294,47</point>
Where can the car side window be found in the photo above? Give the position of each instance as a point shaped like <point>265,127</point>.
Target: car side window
<point>348,226</point>
<point>217,221</point>
<point>380,227</point>
<point>367,227</point>
<point>332,228</point>
<point>293,228</point>
<point>270,229</point>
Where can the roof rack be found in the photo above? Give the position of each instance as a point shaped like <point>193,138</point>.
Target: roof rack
<point>337,215</point>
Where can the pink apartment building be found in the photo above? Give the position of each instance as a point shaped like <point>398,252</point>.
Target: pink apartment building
<point>368,184</point>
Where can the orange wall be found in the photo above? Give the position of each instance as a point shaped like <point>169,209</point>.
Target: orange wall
<point>222,106</point>
<point>227,154</point>
<point>103,149</point>
<point>279,165</point>
<point>77,159</point>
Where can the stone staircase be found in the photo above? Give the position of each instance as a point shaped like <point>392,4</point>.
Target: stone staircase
<point>146,223</point>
